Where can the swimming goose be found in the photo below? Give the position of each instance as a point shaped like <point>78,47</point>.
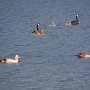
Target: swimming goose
<point>52,24</point>
<point>10,60</point>
<point>81,55</point>
<point>75,22</point>
<point>38,31</point>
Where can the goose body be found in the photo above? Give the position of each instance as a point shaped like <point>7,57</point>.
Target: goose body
<point>10,60</point>
<point>38,31</point>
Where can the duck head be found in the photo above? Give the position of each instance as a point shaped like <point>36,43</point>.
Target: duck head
<point>17,57</point>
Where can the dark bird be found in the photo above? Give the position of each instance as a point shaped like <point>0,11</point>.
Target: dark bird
<point>38,31</point>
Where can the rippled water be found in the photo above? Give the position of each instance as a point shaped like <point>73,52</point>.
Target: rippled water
<point>48,62</point>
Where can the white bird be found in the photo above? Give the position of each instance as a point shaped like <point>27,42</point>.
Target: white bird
<point>10,60</point>
<point>52,24</point>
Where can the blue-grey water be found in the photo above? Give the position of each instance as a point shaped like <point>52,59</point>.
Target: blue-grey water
<point>47,62</point>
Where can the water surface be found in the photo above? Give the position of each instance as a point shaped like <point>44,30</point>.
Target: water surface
<point>48,62</point>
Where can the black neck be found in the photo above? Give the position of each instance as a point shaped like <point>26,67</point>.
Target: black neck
<point>37,27</point>
<point>77,18</point>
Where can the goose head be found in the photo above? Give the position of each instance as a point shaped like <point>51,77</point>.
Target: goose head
<point>37,26</point>
<point>77,15</point>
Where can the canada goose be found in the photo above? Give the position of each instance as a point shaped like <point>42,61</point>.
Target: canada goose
<point>38,31</point>
<point>74,22</point>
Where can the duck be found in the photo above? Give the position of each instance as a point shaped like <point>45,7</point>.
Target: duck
<point>52,24</point>
<point>10,60</point>
<point>74,22</point>
<point>82,55</point>
<point>38,31</point>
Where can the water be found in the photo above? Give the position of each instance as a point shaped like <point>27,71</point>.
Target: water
<point>48,62</point>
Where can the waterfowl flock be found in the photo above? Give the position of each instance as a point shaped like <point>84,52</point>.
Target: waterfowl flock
<point>38,31</point>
